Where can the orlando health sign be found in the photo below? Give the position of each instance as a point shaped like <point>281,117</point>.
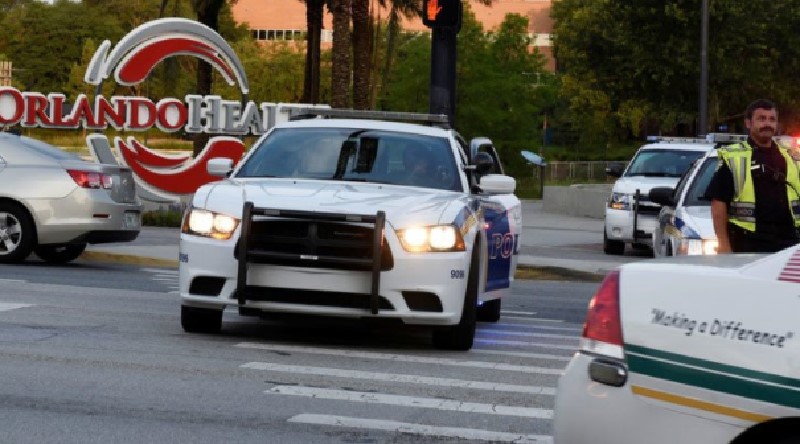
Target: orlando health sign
<point>159,177</point>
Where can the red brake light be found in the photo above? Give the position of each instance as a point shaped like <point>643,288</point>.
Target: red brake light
<point>603,321</point>
<point>90,179</point>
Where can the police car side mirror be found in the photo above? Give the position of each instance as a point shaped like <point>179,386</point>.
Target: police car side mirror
<point>219,167</point>
<point>615,169</point>
<point>483,163</point>
<point>662,196</point>
<point>498,184</point>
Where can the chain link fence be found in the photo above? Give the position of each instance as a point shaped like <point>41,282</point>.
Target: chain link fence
<point>569,172</point>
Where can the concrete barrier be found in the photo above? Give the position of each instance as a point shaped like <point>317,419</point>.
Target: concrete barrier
<point>582,200</point>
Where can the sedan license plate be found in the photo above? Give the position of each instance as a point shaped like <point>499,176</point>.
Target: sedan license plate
<point>131,220</point>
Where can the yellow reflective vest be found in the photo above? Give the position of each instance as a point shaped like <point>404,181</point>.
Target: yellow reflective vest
<point>741,211</point>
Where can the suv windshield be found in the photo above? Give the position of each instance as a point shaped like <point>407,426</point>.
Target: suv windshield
<point>661,162</point>
<point>356,155</point>
<point>696,194</point>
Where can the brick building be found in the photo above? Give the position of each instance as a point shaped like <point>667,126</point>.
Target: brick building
<point>286,20</point>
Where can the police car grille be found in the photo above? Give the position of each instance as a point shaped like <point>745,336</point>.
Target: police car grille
<point>313,297</point>
<point>647,207</point>
<point>318,244</point>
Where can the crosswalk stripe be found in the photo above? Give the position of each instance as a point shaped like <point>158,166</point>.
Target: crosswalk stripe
<point>518,312</point>
<point>7,306</point>
<point>161,271</point>
<point>523,354</point>
<point>411,401</point>
<point>390,377</point>
<point>529,318</point>
<point>401,358</point>
<point>539,327</point>
<point>164,278</point>
<point>419,429</point>
<point>528,334</point>
<point>526,344</point>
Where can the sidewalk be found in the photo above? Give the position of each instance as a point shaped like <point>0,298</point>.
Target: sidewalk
<point>551,243</point>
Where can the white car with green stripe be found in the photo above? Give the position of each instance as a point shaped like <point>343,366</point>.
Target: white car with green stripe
<point>704,350</point>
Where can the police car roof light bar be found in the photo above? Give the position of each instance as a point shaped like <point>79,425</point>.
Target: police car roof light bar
<point>439,120</point>
<point>709,138</point>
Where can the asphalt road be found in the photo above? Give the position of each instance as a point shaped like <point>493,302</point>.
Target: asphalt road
<point>95,354</point>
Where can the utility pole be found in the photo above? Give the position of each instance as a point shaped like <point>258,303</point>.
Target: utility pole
<point>703,117</point>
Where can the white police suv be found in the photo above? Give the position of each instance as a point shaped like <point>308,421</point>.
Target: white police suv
<point>631,217</point>
<point>354,214</point>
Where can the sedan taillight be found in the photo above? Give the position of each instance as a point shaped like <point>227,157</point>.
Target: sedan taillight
<point>602,331</point>
<point>90,179</point>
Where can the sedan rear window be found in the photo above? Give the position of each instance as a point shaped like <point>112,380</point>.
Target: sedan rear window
<point>662,163</point>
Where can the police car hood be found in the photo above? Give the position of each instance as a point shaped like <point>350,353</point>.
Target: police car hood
<point>403,205</point>
<point>698,220</point>
<point>630,184</point>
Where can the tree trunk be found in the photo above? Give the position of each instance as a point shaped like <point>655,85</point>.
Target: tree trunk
<point>340,78</point>
<point>391,41</point>
<point>207,14</point>
<point>314,13</point>
<point>362,51</point>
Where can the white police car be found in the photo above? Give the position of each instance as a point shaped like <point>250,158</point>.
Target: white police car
<point>631,216</point>
<point>341,216</point>
<point>685,226</point>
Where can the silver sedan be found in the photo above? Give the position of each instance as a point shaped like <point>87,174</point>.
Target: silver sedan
<point>54,203</point>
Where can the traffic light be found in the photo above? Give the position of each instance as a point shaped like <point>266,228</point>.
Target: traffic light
<point>442,13</point>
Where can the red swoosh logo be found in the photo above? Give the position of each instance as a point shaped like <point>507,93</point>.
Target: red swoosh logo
<point>188,179</point>
<point>148,157</point>
<point>141,61</point>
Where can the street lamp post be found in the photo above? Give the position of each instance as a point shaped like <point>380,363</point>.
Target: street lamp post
<point>703,118</point>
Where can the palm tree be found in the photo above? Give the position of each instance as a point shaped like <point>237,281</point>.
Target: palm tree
<point>208,14</point>
<point>340,75</point>
<point>314,12</point>
<point>362,52</point>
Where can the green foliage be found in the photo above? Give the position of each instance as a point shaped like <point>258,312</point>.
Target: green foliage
<point>162,218</point>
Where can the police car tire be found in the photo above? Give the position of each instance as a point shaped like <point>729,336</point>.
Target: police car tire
<point>460,336</point>
<point>614,247</point>
<point>18,215</point>
<point>60,254</point>
<point>200,320</point>
<point>489,311</point>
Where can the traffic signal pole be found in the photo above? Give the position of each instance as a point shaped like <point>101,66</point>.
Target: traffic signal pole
<point>444,19</point>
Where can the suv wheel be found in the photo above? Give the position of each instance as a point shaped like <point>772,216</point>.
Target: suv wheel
<point>614,247</point>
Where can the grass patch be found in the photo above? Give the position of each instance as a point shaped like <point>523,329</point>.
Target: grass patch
<point>171,219</point>
<point>556,274</point>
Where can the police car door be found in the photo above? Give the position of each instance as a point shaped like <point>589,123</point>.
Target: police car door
<point>502,215</point>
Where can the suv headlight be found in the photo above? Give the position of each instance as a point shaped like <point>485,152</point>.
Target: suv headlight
<point>432,238</point>
<point>697,247</point>
<point>620,201</point>
<point>209,224</point>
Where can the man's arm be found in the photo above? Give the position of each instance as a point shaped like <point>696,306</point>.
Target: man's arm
<point>719,214</point>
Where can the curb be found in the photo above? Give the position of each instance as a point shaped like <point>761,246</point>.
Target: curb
<point>130,259</point>
<point>524,272</point>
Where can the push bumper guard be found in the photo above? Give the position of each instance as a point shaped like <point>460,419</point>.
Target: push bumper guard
<point>248,252</point>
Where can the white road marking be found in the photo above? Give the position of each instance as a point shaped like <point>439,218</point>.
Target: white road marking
<point>526,318</point>
<point>530,334</point>
<point>411,401</point>
<point>526,344</point>
<point>409,379</point>
<point>8,306</point>
<point>401,358</point>
<point>161,271</point>
<point>540,327</point>
<point>164,279</point>
<point>518,312</point>
<point>14,281</point>
<point>419,429</point>
<point>523,354</point>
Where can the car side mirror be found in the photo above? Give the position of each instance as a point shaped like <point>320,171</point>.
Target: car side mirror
<point>498,184</point>
<point>662,196</point>
<point>615,169</point>
<point>483,163</point>
<point>219,166</point>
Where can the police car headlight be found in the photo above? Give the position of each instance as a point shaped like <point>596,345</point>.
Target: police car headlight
<point>209,224</point>
<point>434,238</point>
<point>697,247</point>
<point>620,201</point>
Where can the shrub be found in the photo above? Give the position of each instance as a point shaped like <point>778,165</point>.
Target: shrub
<point>162,218</point>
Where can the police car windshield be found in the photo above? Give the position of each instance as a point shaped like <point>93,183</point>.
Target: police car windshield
<point>697,190</point>
<point>661,162</point>
<point>355,155</point>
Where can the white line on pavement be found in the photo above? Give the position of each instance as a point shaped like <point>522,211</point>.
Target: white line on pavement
<point>161,271</point>
<point>7,306</point>
<point>526,344</point>
<point>538,327</point>
<point>527,334</point>
<point>523,354</point>
<point>526,318</point>
<point>401,358</point>
<point>411,401</point>
<point>419,429</point>
<point>410,379</point>
<point>531,313</point>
